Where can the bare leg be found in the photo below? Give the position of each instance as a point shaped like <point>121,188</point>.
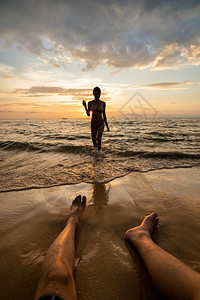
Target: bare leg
<point>57,269</point>
<point>99,135</point>
<point>173,278</point>
<point>94,134</point>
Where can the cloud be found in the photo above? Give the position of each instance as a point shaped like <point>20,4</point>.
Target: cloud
<point>175,55</point>
<point>6,71</point>
<point>6,111</point>
<point>192,82</point>
<point>119,34</point>
<point>39,91</point>
<point>162,86</point>
<point>46,91</point>
<point>168,85</point>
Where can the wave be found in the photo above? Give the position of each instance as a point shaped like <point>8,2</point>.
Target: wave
<point>88,150</point>
<point>164,155</point>
<point>67,138</point>
<point>39,186</point>
<point>165,139</point>
<point>23,146</point>
<point>45,147</point>
<point>74,149</point>
<point>160,133</point>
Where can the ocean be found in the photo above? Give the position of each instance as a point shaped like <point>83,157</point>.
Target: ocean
<point>37,153</point>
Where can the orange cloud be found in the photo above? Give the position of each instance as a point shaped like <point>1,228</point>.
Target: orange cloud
<point>191,82</point>
<point>45,91</point>
<point>163,86</point>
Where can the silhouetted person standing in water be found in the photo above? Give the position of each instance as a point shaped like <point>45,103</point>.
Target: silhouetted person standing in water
<point>98,109</point>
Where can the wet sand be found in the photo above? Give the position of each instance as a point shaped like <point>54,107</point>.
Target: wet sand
<point>106,267</point>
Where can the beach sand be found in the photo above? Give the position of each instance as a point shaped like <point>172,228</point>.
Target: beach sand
<point>106,266</point>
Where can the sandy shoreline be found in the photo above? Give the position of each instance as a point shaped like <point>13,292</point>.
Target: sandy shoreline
<point>106,266</point>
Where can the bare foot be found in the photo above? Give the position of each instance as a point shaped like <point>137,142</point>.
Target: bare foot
<point>149,223</point>
<point>78,207</point>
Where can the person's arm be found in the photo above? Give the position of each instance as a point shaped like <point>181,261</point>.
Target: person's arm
<point>104,116</point>
<point>86,109</point>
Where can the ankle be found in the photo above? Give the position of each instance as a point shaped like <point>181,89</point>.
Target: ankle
<point>136,235</point>
<point>73,219</point>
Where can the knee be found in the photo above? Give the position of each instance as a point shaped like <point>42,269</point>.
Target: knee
<point>60,275</point>
<point>99,137</point>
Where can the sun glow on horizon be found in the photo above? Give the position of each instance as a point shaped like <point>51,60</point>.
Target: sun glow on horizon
<point>47,73</point>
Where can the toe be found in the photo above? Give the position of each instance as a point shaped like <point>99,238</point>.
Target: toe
<point>154,214</point>
<point>84,199</point>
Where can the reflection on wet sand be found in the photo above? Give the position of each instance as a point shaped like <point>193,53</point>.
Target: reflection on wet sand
<point>107,267</point>
<point>100,196</point>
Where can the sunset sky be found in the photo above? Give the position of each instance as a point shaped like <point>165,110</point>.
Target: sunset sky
<point>53,53</point>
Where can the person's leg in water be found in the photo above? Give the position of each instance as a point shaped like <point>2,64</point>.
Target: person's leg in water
<point>56,278</point>
<point>94,134</point>
<point>99,135</point>
<point>173,278</point>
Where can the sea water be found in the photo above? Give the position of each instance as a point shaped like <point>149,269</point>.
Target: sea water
<point>49,152</point>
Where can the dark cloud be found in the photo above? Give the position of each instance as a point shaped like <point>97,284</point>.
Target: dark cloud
<point>121,34</point>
